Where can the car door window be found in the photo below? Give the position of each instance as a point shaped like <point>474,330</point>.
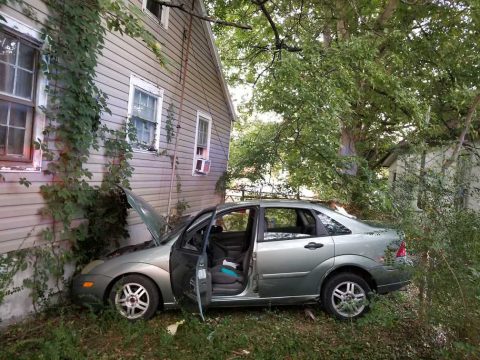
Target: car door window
<point>287,224</point>
<point>333,227</point>
<point>235,221</point>
<point>194,235</point>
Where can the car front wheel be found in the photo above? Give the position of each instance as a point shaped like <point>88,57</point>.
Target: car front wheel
<point>345,296</point>
<point>135,297</point>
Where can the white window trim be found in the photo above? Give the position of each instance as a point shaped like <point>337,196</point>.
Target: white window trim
<point>154,90</point>
<point>195,158</point>
<point>165,14</point>
<point>35,166</point>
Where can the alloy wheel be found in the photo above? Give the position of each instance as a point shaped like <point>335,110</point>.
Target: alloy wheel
<point>349,299</point>
<point>132,300</point>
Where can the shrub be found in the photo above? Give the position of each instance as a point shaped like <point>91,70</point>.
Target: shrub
<point>444,238</point>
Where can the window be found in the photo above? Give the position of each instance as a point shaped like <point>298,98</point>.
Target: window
<point>156,11</point>
<point>18,60</point>
<point>145,109</point>
<point>195,233</point>
<point>278,218</point>
<point>201,162</point>
<point>333,227</point>
<point>235,221</point>
<point>288,224</point>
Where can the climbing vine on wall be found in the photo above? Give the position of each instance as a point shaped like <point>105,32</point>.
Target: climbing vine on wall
<point>74,37</point>
<point>169,128</point>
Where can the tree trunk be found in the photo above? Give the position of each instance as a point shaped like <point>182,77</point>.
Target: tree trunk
<point>348,149</point>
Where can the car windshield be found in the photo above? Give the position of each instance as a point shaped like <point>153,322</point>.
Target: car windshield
<point>181,226</point>
<point>200,219</point>
<point>170,234</point>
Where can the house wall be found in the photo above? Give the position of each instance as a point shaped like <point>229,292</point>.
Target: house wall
<point>123,56</point>
<point>20,222</point>
<point>408,163</point>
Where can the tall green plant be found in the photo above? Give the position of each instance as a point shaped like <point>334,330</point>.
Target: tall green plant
<point>445,240</point>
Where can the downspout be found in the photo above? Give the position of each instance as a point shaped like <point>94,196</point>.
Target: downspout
<point>180,112</point>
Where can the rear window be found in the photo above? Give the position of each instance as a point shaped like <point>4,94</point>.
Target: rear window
<point>333,227</point>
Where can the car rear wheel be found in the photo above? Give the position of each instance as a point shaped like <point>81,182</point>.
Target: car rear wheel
<point>135,297</point>
<point>345,296</point>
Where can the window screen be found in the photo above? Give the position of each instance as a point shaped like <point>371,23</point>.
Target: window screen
<point>201,160</point>
<point>144,119</point>
<point>202,136</point>
<point>17,80</point>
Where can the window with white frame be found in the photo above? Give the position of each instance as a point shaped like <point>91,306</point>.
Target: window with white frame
<point>144,112</point>
<point>156,11</point>
<point>18,67</point>
<point>201,159</point>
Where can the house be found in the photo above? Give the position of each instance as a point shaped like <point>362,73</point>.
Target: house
<point>139,90</point>
<point>463,174</point>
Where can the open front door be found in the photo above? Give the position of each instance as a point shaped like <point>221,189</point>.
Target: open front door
<point>190,277</point>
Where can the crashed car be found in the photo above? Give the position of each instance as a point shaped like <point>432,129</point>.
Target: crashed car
<point>249,253</point>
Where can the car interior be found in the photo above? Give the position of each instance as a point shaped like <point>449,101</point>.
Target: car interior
<point>229,251</point>
<point>229,248</point>
<point>231,241</point>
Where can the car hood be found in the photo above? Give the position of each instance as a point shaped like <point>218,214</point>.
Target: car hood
<point>156,256</point>
<point>155,222</point>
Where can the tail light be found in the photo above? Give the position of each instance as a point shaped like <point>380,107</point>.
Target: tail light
<point>402,250</point>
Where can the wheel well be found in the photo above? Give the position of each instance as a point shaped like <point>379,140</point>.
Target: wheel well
<point>354,270</point>
<point>110,286</point>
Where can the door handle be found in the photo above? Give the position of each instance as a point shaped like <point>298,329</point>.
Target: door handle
<point>313,246</point>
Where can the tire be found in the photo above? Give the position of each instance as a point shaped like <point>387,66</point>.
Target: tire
<point>345,296</point>
<point>135,297</point>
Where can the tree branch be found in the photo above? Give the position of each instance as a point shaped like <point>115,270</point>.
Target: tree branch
<point>181,7</point>
<point>279,43</point>
<point>387,13</point>
<point>461,139</point>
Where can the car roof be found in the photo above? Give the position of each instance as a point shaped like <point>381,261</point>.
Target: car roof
<point>263,202</point>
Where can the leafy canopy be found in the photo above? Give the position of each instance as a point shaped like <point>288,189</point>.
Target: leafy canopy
<point>350,79</point>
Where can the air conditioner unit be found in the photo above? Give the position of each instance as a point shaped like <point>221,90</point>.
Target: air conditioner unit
<point>202,166</point>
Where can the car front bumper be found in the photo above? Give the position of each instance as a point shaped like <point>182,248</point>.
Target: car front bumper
<point>93,296</point>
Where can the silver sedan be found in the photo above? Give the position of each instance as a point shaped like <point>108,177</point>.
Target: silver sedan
<point>249,253</point>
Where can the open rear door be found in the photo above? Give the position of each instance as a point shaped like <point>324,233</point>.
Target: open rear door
<point>190,277</point>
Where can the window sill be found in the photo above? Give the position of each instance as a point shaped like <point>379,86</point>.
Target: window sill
<point>27,168</point>
<point>140,151</point>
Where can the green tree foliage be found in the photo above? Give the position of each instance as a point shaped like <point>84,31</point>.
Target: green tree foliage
<point>445,242</point>
<point>351,78</point>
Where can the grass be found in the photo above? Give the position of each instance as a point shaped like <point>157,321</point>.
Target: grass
<point>390,331</point>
